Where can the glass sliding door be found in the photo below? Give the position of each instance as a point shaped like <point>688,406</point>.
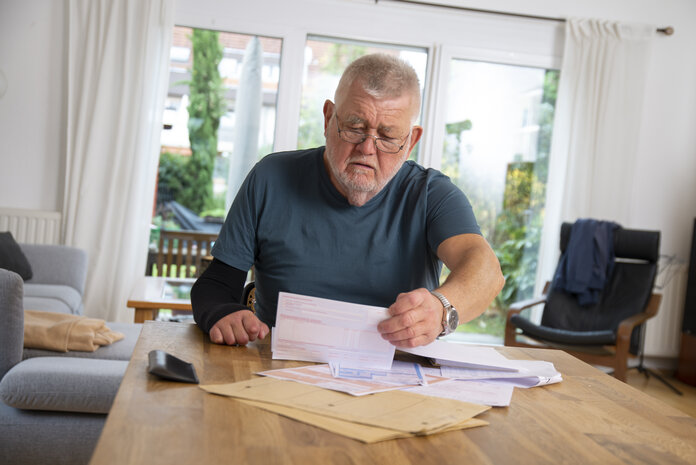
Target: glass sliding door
<point>219,119</point>
<point>497,132</point>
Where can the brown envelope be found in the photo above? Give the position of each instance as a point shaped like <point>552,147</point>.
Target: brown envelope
<point>395,410</point>
<point>363,433</point>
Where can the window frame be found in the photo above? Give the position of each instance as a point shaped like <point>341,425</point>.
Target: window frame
<point>443,34</point>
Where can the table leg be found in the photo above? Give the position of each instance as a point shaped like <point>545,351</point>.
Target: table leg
<point>142,314</point>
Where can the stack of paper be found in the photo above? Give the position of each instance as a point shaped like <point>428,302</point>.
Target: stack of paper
<point>357,382</point>
<point>482,374</point>
<point>404,399</point>
<point>373,418</point>
<point>345,336</point>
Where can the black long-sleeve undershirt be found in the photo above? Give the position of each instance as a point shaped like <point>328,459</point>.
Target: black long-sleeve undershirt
<point>217,293</point>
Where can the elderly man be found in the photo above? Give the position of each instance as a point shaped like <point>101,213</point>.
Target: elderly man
<point>352,221</point>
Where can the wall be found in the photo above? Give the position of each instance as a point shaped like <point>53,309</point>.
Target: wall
<point>32,57</point>
<point>31,111</point>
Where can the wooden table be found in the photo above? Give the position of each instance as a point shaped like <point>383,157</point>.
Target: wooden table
<point>148,297</point>
<point>588,418</point>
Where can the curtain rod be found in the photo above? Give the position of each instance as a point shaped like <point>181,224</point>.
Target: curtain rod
<point>669,30</point>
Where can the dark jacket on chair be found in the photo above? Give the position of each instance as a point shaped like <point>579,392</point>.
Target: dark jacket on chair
<point>587,261</point>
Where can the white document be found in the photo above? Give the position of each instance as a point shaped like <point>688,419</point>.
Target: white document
<point>465,355</point>
<point>530,373</point>
<point>532,381</point>
<point>321,376</point>
<point>324,330</point>
<point>477,392</point>
<point>400,374</point>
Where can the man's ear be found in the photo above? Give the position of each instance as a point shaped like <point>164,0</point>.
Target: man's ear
<point>328,113</point>
<point>416,134</point>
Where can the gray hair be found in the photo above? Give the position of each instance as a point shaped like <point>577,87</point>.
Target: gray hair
<point>381,76</point>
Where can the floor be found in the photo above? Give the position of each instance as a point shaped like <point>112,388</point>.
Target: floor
<point>654,387</point>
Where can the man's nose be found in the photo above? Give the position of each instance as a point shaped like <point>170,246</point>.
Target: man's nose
<point>369,145</point>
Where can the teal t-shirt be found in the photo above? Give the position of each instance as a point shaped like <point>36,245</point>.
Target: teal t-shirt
<point>302,235</point>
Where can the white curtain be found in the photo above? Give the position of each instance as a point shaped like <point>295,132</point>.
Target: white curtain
<point>118,53</point>
<point>596,128</point>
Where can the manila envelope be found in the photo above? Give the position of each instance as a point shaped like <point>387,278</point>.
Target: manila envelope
<point>396,410</point>
<point>363,433</point>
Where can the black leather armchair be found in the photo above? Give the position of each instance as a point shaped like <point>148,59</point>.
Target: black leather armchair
<point>605,333</point>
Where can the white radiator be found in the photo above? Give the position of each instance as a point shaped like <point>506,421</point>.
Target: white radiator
<point>31,226</point>
<point>663,332</point>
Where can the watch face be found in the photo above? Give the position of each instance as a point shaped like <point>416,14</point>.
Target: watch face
<point>452,319</point>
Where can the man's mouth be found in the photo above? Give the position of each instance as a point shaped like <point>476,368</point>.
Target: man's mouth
<point>364,166</point>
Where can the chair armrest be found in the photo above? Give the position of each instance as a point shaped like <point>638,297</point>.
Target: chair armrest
<point>623,333</point>
<point>57,264</point>
<point>516,308</point>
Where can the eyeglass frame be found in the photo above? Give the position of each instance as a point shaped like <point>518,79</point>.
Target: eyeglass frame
<point>366,135</point>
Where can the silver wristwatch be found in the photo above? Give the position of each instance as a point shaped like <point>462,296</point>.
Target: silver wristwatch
<point>450,317</point>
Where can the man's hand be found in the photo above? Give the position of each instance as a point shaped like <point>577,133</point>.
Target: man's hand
<point>416,319</point>
<point>238,328</point>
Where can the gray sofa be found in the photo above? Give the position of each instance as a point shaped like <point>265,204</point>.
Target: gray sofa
<point>53,405</point>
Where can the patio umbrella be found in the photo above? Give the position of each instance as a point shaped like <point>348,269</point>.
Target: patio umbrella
<point>247,116</point>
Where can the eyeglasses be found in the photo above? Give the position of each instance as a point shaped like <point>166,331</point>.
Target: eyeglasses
<point>358,137</point>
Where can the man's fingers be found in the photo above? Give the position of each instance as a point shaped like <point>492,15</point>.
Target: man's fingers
<point>416,319</point>
<point>216,335</point>
<point>401,321</point>
<point>418,332</point>
<point>227,334</point>
<point>238,328</point>
<point>264,331</point>
<point>415,342</point>
<point>240,335</point>
<point>405,302</point>
<point>251,326</point>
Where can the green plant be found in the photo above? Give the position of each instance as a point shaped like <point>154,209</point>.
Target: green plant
<point>170,175</point>
<point>206,107</point>
<point>215,212</point>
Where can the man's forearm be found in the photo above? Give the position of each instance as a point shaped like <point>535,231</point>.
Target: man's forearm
<point>475,277</point>
<point>217,293</point>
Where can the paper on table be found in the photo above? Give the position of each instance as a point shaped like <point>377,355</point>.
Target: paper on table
<point>528,382</point>
<point>400,374</point>
<point>324,330</point>
<point>478,392</point>
<point>398,410</point>
<point>380,381</point>
<point>464,355</point>
<point>365,433</point>
<point>531,373</point>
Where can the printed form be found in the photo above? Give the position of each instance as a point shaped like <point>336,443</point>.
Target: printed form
<point>330,331</point>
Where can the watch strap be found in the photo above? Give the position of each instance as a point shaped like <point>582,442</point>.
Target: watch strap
<point>446,305</point>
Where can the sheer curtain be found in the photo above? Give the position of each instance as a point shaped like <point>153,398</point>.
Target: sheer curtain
<point>596,128</point>
<point>118,53</point>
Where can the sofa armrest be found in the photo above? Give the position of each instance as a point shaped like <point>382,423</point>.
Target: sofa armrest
<point>57,264</point>
<point>12,325</point>
<point>63,384</point>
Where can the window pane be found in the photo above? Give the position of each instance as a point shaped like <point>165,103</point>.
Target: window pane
<point>219,119</point>
<point>497,137</point>
<point>325,60</point>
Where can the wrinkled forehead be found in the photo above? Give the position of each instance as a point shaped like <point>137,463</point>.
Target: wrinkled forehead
<point>407,99</point>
